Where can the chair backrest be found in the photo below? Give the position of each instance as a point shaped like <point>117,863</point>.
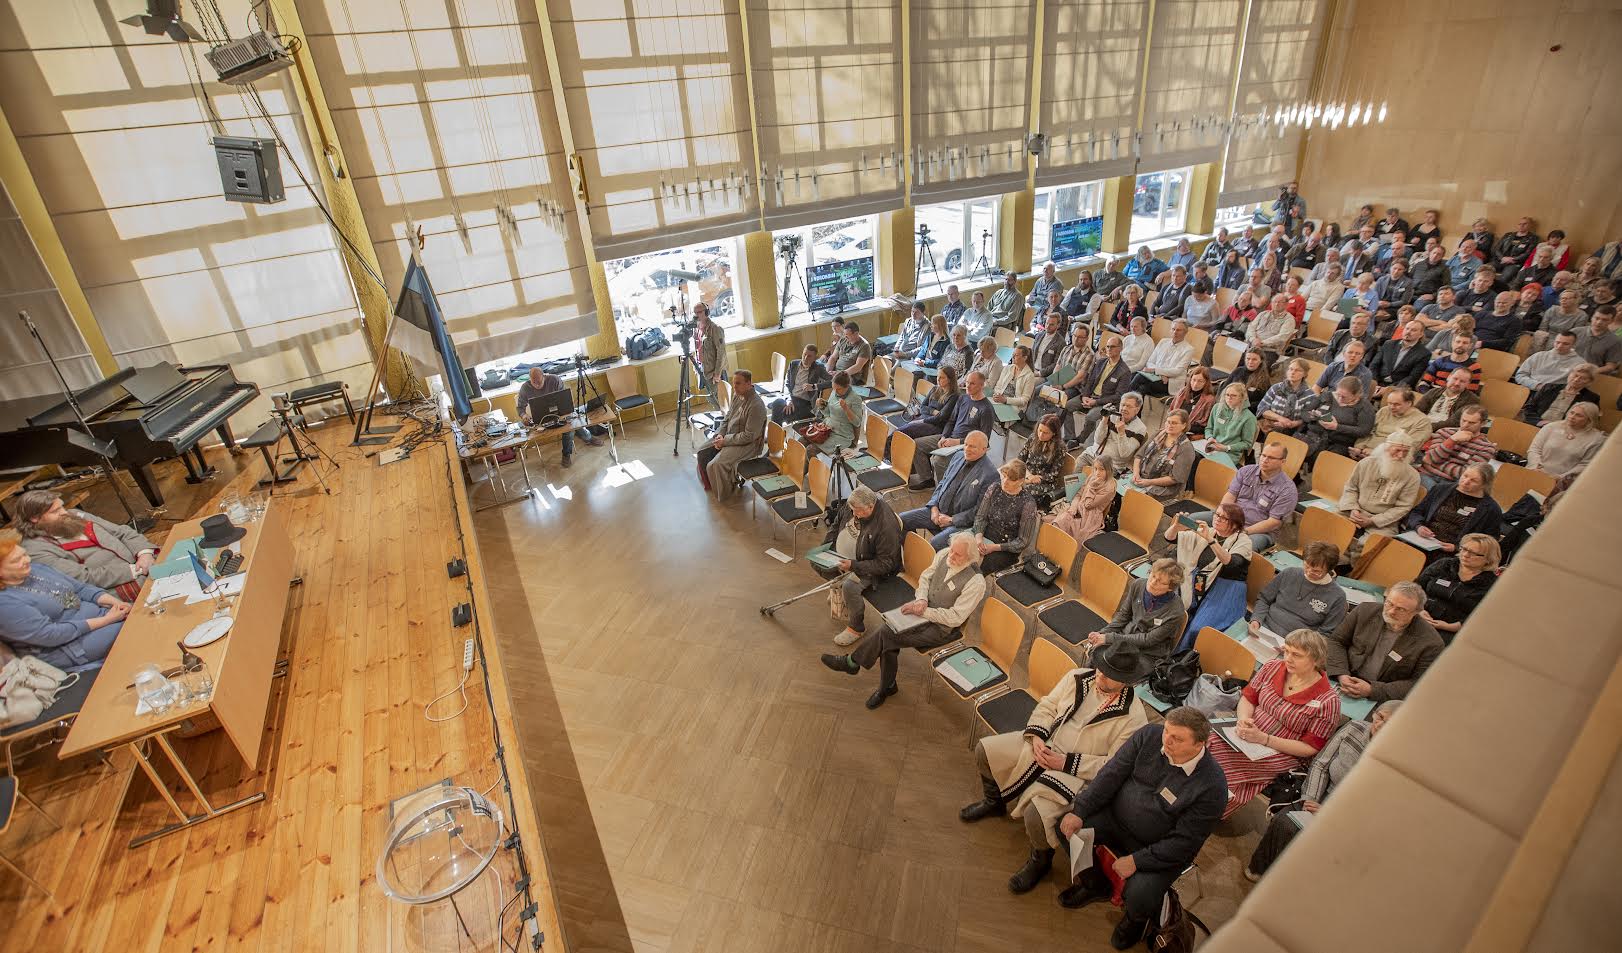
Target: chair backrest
<point>1059,546</point>
<point>1502,398</point>
<point>1511,482</point>
<point>1395,562</point>
<point>1106,311</point>
<point>902,451</point>
<point>1260,574</point>
<point>1071,462</point>
<point>817,480</point>
<point>902,381</point>
<point>1160,330</point>
<point>1321,325</point>
<point>1609,388</point>
<point>877,430</point>
<point>916,555</point>
<point>1220,655</point>
<point>1224,299</point>
<point>1102,584</point>
<point>779,367</point>
<point>1302,273</point>
<point>1497,365</point>
<point>723,395</point>
<point>622,381</point>
<point>1318,525</point>
<point>881,374</point>
<point>1001,632</point>
<point>1315,370</point>
<point>1513,435</point>
<point>776,438</point>
<point>1211,481</point>
<point>1296,451</point>
<point>1198,339</point>
<point>1140,517</point>
<point>1004,337</point>
<point>792,463</point>
<point>1048,663</point>
<point>1227,353</point>
<point>1330,473</point>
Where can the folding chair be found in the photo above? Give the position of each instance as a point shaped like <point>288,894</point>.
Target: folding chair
<point>59,715</point>
<point>1512,482</point>
<point>1001,632</point>
<point>1102,585</point>
<point>1319,525</point>
<point>1140,517</point>
<point>1320,328</point>
<point>792,516</point>
<point>1005,337</point>
<point>1513,435</point>
<point>1497,365</point>
<point>1221,655</point>
<point>1503,399</point>
<point>1329,475</point>
<point>790,476</point>
<point>1010,709</point>
<point>622,383</point>
<point>1295,451</point>
<point>1160,330</point>
<point>766,464</point>
<point>706,420</point>
<point>1261,573</point>
<point>1027,593</point>
<point>1211,481</point>
<point>1395,562</point>
<point>881,405</point>
<point>10,795</point>
<point>891,478</point>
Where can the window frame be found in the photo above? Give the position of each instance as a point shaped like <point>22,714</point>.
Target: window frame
<point>967,241</point>
<point>807,258</point>
<point>1046,230</point>
<point>1162,231</point>
<point>625,325</point>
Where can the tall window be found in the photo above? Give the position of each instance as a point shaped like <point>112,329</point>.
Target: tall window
<point>960,233</point>
<point>1061,203</point>
<point>1236,216</point>
<point>1159,204</point>
<point>816,245</point>
<point>643,288</point>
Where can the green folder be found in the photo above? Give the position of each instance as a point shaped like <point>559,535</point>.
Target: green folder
<point>861,462</point>
<point>772,484</point>
<point>1005,354</point>
<point>826,558</point>
<point>972,666</point>
<point>1061,375</point>
<point>1006,414</point>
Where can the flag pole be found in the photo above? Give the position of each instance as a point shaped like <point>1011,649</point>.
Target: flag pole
<point>365,434</point>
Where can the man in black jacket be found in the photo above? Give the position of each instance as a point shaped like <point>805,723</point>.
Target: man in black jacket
<point>1401,363</point>
<point>867,540</point>
<point>1431,274</point>
<point>1099,391</point>
<point>1153,804</point>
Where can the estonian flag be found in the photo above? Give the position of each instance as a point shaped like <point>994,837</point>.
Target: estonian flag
<point>421,334</point>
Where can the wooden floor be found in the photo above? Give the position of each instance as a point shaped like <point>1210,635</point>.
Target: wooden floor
<point>370,642</point>
<point>703,783</point>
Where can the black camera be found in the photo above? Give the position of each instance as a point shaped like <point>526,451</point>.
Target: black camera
<point>923,236</point>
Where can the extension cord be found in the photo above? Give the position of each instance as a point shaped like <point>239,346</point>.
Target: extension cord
<point>467,656</point>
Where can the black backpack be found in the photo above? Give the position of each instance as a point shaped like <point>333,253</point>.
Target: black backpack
<point>1175,932</point>
<point>645,344</point>
<point>1173,678</point>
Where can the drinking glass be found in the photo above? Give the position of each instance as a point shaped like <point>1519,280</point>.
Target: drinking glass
<point>154,603</point>
<point>154,689</point>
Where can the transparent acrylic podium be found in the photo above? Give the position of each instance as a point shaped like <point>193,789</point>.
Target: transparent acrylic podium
<point>438,863</point>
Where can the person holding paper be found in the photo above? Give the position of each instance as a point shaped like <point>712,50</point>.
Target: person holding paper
<point>1379,651</point>
<point>1150,614</point>
<point>1332,764</point>
<point>59,620</point>
<point>1035,773</point>
<point>1451,510</point>
<point>867,539</point>
<point>957,496</point>
<point>948,593</point>
<point>1302,598</point>
<point>1153,804</point>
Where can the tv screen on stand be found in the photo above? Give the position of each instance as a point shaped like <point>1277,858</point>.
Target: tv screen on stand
<point>839,284</point>
<point>1077,238</point>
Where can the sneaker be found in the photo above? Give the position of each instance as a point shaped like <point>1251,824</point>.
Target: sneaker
<point>848,637</point>
<point>592,440</point>
<point>568,461</point>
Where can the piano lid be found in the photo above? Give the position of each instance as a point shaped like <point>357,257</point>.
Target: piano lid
<point>145,385</point>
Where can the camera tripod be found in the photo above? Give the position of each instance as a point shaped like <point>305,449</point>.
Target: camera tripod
<point>685,368</point>
<point>985,237</point>
<point>925,252</point>
<point>790,253</point>
<point>583,383</point>
<point>297,434</point>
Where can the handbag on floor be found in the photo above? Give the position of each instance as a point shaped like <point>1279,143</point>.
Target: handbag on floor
<point>1173,930</point>
<point>28,687</point>
<point>1214,696</point>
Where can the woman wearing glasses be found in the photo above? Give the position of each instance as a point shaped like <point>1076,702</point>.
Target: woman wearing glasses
<point>1456,585</point>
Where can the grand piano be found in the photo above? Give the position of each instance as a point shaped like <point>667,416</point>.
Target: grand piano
<point>137,416</point>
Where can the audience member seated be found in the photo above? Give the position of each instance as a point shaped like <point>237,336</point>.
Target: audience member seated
<point>867,538</point>
<point>1145,269</point>
<point>1551,402</point>
<point>1152,805</point>
<point>843,412</point>
<point>1016,383</point>
<point>1215,558</point>
<point>1116,438</point>
<point>1451,511</point>
<point>1045,285</point>
<point>1380,650</point>
<point>1382,490</point>
<point>1357,329</point>
<point>1168,364</point>
<point>1598,344</point>
<point>1255,375</point>
<point>912,333</point>
<point>57,619</point>
<point>1273,329</point>
<point>1173,294</point>
<point>1083,516</point>
<point>1101,389</point>
<point>1338,421</point>
<point>1461,357</point>
<point>957,495</point>
<point>1237,319</point>
<point>1131,306</point>
<point>1035,773</point>
<point>1080,299</point>
<point>987,362</point>
<point>83,546</point>
<point>1007,304</point>
<point>804,381</point>
<point>1323,292</point>
<point>1443,405</point>
<point>1231,431</point>
<point>1399,415</point>
<point>976,322</point>
<point>1231,272</point>
<point>1568,445</point>
<point>1551,366</point>
<point>1044,458</point>
<point>1451,449</point>
<point>1197,397</point>
<point>1049,342</point>
<point>1006,520</point>
<point>1289,403</point>
<point>1431,275</point>
<point>1331,766</point>
<point>1401,362</point>
<point>1137,345</point>
<point>1349,364</point>
<point>1456,585</point>
<point>1396,287</point>
<point>954,307</point>
<point>1264,493</point>
<point>741,436</point>
<point>1499,328</point>
<point>1163,464</point>
<point>1150,615</point>
<point>1078,357</point>
<point>928,414</point>
<point>1567,315</point>
<point>1218,248</point>
<point>1304,597</point>
<point>957,354</point>
<point>971,413</point>
<point>948,593</point>
<point>1539,270</point>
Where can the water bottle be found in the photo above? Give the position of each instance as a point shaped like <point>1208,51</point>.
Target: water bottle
<point>154,689</point>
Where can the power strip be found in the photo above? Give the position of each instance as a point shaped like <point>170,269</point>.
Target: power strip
<point>392,455</point>
<point>467,656</point>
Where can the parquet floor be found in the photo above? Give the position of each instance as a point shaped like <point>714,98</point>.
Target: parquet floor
<point>703,783</point>
<point>370,642</point>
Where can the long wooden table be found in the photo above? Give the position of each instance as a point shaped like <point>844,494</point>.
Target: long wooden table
<point>242,663</point>
<point>520,439</point>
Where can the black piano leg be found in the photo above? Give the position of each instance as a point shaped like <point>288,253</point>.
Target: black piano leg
<point>199,472</point>
<point>224,430</point>
<point>142,475</point>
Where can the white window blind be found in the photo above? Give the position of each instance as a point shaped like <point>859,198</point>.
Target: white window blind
<point>659,113</point>
<point>26,285</point>
<point>1276,68</point>
<point>448,125</point>
<point>971,85</point>
<point>118,143</point>
<point>827,86</point>
<point>1092,68</point>
<point>1193,52</point>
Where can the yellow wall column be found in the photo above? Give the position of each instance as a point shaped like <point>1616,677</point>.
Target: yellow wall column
<point>1014,230</point>
<point>1204,181</point>
<point>606,342</point>
<point>376,302</point>
<point>760,277</point>
<point>36,219</point>
<point>896,262</point>
<point>1118,213</point>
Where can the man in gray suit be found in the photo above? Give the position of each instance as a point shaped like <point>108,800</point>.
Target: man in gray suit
<point>951,507</point>
<point>741,436</point>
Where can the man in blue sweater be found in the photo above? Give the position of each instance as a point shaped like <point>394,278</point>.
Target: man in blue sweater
<point>1153,804</point>
<point>952,506</point>
<point>972,412</point>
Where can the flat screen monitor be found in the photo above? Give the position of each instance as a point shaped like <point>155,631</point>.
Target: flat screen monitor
<point>552,406</point>
<point>1077,238</point>
<point>839,284</point>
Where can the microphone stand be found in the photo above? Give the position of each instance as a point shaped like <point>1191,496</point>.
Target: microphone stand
<point>138,523</point>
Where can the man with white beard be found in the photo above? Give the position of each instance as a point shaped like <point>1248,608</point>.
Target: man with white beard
<point>1383,487</point>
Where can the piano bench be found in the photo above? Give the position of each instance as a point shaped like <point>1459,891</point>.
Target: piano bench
<point>262,439</point>
<point>320,394</point>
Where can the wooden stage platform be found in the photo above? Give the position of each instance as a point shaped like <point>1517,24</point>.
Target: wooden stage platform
<point>369,640</point>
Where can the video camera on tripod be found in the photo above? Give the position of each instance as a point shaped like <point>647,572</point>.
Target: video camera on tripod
<point>923,236</point>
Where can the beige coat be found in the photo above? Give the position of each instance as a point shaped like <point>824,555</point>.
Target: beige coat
<point>1387,501</point>
<point>1067,721</point>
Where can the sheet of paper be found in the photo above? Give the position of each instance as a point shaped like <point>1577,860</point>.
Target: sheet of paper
<point>899,621</point>
<point>1081,851</point>
<point>946,451</point>
<point>225,585</point>
<point>1413,538</point>
<point>1249,749</point>
<point>779,555</point>
<point>176,587</point>
<point>1199,445</point>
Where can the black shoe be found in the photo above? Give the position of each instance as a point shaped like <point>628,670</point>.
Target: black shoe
<point>1127,933</point>
<point>842,664</point>
<point>982,809</point>
<point>877,698</point>
<point>1079,894</point>
<point>1036,867</point>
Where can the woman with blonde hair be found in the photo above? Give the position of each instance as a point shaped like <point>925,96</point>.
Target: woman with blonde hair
<point>1567,446</point>
<point>1456,585</point>
<point>61,621</point>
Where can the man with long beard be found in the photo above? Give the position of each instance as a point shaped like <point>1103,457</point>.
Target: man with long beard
<point>82,546</point>
<point>1381,491</point>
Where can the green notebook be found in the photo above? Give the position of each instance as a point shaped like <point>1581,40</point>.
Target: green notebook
<point>1006,414</point>
<point>969,670</point>
<point>772,484</point>
<point>1061,375</point>
<point>825,558</point>
<point>861,462</point>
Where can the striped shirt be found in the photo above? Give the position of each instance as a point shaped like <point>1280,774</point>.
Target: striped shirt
<point>1437,373</point>
<point>1444,459</point>
<point>1309,715</point>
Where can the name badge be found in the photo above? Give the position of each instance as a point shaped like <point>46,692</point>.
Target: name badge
<point>1167,796</point>
<point>1265,501</point>
<point>1466,511</point>
<point>951,584</point>
<point>1315,703</point>
<point>1156,621</point>
<point>1393,656</point>
<point>1445,583</point>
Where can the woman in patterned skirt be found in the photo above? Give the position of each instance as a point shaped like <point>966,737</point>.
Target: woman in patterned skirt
<point>1289,709</point>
